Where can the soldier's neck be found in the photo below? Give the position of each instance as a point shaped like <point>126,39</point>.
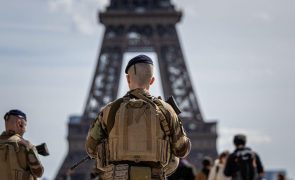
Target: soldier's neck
<point>145,88</point>
<point>10,132</point>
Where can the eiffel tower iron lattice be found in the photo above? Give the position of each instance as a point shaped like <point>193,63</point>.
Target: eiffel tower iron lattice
<point>139,26</point>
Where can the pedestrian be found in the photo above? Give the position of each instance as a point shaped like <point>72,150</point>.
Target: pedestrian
<point>204,173</point>
<point>281,176</point>
<point>216,172</point>
<point>185,171</point>
<point>243,163</point>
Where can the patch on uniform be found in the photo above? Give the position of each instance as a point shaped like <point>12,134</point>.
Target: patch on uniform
<point>95,132</point>
<point>32,158</point>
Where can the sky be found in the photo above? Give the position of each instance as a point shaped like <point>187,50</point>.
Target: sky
<point>240,55</point>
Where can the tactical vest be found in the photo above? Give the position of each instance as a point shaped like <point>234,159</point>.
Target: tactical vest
<point>13,160</point>
<point>137,134</point>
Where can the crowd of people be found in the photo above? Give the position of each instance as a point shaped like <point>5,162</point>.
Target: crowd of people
<point>242,164</point>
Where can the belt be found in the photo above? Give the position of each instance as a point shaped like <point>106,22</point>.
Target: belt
<point>126,172</point>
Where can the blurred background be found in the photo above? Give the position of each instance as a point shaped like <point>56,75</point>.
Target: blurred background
<point>240,56</point>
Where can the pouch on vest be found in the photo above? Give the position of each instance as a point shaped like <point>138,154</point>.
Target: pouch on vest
<point>137,135</point>
<point>140,173</point>
<point>12,160</point>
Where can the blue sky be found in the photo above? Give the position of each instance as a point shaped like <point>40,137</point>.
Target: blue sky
<point>240,55</point>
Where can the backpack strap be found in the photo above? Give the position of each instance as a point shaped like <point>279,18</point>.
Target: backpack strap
<point>166,123</point>
<point>112,114</point>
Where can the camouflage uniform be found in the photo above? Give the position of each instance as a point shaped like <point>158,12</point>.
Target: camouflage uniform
<point>19,159</point>
<point>179,143</point>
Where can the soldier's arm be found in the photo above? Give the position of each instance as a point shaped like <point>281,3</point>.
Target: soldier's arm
<point>97,133</point>
<point>34,163</point>
<point>94,137</point>
<point>181,144</point>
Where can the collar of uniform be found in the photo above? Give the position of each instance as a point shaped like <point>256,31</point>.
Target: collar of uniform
<point>8,133</point>
<point>140,91</point>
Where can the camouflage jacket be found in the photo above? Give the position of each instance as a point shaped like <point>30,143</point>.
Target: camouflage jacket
<point>26,156</point>
<point>98,132</point>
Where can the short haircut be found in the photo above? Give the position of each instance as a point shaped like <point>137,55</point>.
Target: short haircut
<point>239,139</point>
<point>207,161</point>
<point>223,154</point>
<point>141,73</point>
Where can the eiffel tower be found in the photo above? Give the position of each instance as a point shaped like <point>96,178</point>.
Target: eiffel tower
<point>139,26</point>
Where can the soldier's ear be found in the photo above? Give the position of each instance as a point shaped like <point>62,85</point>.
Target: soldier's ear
<point>152,80</point>
<point>128,78</point>
<point>19,123</point>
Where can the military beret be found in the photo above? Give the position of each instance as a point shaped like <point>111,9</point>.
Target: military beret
<point>17,113</point>
<point>138,59</point>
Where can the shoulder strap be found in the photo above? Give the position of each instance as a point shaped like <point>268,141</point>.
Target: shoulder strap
<point>112,114</point>
<point>165,124</point>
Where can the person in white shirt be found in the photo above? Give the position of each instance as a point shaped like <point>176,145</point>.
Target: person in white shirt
<point>216,172</point>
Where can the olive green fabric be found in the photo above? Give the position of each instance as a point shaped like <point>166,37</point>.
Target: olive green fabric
<point>140,173</point>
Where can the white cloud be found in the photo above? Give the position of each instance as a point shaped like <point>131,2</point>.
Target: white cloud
<point>254,137</point>
<point>82,13</point>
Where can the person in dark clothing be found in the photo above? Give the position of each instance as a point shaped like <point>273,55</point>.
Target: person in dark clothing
<point>243,163</point>
<point>204,173</point>
<point>185,171</point>
<point>281,176</point>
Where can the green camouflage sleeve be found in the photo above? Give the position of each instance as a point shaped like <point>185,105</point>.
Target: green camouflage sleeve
<point>33,160</point>
<point>34,163</point>
<point>180,143</point>
<point>96,133</point>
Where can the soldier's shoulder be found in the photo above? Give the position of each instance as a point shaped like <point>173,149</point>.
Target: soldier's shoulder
<point>6,138</point>
<point>15,138</point>
<point>26,143</point>
<point>107,107</point>
<point>166,105</point>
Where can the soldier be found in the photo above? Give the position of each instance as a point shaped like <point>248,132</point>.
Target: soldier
<point>19,159</point>
<point>137,136</point>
